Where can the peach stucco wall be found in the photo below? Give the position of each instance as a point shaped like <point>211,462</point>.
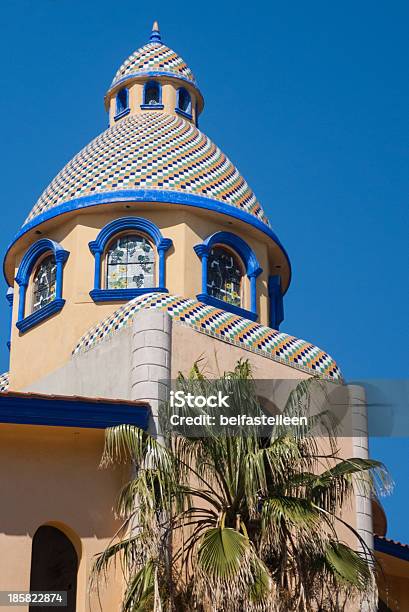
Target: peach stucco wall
<point>48,345</point>
<point>50,475</point>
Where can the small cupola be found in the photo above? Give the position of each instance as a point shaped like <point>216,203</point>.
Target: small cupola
<point>154,79</point>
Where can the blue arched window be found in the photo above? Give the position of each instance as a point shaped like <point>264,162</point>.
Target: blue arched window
<point>122,103</point>
<point>224,275</point>
<point>129,259</point>
<point>152,96</point>
<point>226,260</point>
<point>184,103</point>
<point>40,271</point>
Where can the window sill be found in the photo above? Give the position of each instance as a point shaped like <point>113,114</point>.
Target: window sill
<point>183,113</point>
<point>40,315</point>
<point>152,106</point>
<point>123,113</point>
<point>241,312</point>
<point>122,295</point>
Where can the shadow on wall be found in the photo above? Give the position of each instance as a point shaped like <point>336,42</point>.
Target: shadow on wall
<point>52,473</point>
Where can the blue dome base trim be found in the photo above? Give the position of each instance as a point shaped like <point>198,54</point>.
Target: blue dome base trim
<point>151,196</point>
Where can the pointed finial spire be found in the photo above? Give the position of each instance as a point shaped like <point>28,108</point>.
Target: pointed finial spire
<point>155,34</point>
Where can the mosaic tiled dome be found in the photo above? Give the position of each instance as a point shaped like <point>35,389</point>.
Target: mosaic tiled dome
<point>151,151</point>
<point>224,326</point>
<point>4,382</point>
<point>154,57</point>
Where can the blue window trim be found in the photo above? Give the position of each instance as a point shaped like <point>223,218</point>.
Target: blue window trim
<point>10,299</point>
<point>119,113</point>
<point>156,197</point>
<point>98,246</point>
<point>276,301</point>
<point>188,113</point>
<point>212,301</point>
<point>40,315</point>
<point>122,114</point>
<point>152,106</point>
<point>252,266</point>
<point>66,412</point>
<point>27,264</point>
<point>183,113</point>
<point>157,106</point>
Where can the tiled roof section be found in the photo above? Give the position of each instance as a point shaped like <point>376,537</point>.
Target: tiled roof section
<point>154,57</point>
<point>393,542</point>
<point>151,151</point>
<point>391,547</point>
<point>74,398</point>
<point>4,382</point>
<point>223,326</point>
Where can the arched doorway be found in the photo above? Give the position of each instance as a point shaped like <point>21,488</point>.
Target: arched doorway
<point>54,566</point>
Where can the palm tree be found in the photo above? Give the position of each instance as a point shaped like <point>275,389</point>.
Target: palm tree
<point>238,522</point>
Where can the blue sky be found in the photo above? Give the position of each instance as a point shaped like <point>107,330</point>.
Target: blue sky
<point>308,99</point>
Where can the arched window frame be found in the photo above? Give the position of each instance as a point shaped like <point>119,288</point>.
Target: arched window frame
<point>158,106</point>
<point>106,235</point>
<point>29,262</point>
<point>251,265</point>
<point>180,111</point>
<point>41,555</point>
<point>122,110</point>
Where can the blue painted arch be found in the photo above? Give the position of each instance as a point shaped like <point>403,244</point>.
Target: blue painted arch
<point>30,258</point>
<point>250,261</point>
<point>99,245</point>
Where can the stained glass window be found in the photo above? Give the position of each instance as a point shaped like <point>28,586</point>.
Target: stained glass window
<point>130,263</point>
<point>224,274</point>
<point>44,283</point>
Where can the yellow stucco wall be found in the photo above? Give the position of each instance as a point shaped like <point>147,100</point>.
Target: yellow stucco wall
<point>50,476</point>
<point>48,345</point>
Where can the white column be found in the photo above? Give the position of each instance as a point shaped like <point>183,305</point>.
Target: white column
<point>361,449</point>
<point>151,360</point>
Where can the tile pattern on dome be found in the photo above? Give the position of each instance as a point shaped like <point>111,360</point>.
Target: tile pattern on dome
<point>4,382</point>
<point>223,326</point>
<point>154,57</point>
<point>151,151</point>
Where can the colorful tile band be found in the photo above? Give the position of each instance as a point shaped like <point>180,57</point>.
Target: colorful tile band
<point>223,326</point>
<point>4,382</point>
<point>151,151</point>
<point>154,57</point>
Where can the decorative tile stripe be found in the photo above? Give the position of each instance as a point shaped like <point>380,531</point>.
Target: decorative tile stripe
<point>4,382</point>
<point>223,326</point>
<point>151,151</point>
<point>154,57</point>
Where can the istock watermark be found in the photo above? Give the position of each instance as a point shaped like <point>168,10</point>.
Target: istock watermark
<point>180,399</point>
<point>225,407</point>
<point>233,407</point>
